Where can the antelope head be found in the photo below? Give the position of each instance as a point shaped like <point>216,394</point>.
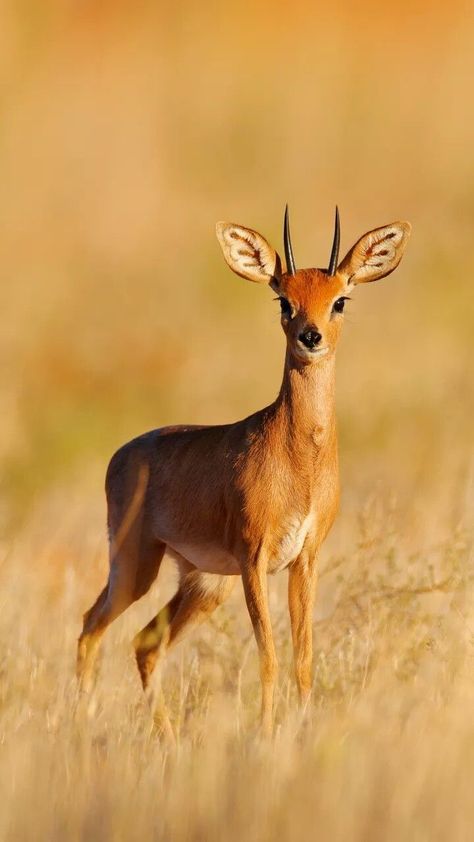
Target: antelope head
<point>312,300</point>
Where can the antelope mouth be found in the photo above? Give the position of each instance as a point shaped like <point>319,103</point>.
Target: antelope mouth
<point>309,355</point>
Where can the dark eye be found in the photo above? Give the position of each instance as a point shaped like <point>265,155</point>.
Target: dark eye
<point>338,305</point>
<point>286,309</point>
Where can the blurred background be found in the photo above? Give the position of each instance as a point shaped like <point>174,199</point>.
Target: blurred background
<point>128,129</point>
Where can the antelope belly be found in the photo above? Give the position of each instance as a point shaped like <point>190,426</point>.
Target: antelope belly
<point>209,558</point>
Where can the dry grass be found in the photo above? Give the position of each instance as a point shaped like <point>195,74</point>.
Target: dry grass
<point>126,131</point>
<point>388,750</point>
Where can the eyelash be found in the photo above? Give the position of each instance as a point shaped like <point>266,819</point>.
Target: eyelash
<point>287,310</point>
<point>341,302</point>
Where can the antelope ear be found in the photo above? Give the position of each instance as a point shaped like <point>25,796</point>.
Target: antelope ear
<point>248,253</point>
<point>376,254</point>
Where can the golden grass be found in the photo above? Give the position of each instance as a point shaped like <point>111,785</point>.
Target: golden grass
<point>127,130</point>
<point>387,751</point>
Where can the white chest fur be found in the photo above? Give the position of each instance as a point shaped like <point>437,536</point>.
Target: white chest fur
<point>290,541</point>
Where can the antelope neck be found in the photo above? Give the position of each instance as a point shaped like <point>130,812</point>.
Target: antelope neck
<point>306,401</point>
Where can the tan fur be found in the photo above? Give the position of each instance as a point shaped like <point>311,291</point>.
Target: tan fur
<point>249,498</point>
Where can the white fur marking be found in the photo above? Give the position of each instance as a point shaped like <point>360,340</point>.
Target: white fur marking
<point>290,543</point>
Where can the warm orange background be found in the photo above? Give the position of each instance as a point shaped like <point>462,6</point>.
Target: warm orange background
<point>127,129</point>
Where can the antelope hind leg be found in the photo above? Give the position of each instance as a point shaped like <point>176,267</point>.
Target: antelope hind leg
<point>198,595</point>
<point>127,583</point>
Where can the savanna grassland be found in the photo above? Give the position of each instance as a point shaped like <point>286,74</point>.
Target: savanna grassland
<point>126,131</point>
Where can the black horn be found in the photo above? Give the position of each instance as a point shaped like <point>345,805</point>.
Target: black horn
<point>290,260</point>
<point>335,245</point>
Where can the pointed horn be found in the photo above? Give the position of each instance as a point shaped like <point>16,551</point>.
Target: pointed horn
<point>290,260</point>
<point>335,245</point>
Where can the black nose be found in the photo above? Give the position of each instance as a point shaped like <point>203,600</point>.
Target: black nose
<point>310,338</point>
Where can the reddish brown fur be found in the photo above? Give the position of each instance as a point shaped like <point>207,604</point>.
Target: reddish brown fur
<point>248,498</point>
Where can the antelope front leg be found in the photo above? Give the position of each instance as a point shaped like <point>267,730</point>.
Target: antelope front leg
<point>255,588</point>
<point>301,591</point>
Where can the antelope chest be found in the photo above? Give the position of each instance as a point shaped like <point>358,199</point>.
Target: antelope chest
<point>283,547</point>
<point>288,541</point>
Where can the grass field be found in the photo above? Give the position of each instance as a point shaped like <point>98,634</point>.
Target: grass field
<point>126,132</point>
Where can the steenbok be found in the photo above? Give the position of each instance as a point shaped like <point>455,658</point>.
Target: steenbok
<point>245,499</point>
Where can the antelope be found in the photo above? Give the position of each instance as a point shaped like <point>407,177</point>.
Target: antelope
<point>247,499</point>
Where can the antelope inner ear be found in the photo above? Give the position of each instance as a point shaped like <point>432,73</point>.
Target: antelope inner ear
<point>376,254</point>
<point>248,253</point>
